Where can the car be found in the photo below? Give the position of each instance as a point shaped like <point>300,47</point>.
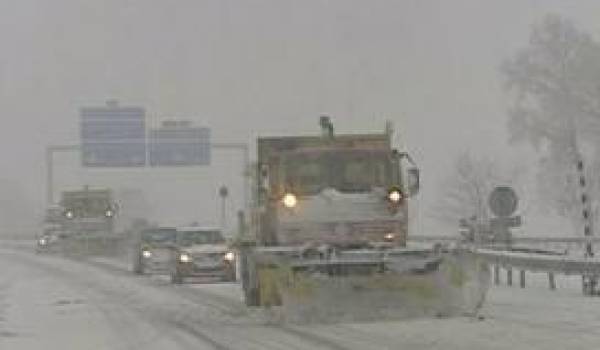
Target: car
<point>47,242</point>
<point>153,250</point>
<point>202,252</point>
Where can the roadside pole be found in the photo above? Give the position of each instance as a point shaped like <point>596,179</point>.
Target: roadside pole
<point>50,152</point>
<point>590,280</point>
<point>223,193</point>
<point>244,150</point>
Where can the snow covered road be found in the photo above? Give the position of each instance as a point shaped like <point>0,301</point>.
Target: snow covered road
<point>48,302</point>
<point>42,308</point>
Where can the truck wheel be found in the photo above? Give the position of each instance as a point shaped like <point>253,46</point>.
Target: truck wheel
<point>249,278</point>
<point>252,296</point>
<point>138,268</point>
<point>176,278</point>
<point>229,277</point>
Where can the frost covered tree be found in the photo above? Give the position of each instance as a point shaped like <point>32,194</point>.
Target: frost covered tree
<point>554,84</point>
<point>464,193</point>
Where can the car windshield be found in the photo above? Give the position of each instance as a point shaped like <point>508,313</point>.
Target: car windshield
<point>187,238</point>
<point>159,236</point>
<point>350,172</point>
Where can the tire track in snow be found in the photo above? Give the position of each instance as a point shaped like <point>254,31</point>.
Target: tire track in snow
<point>98,293</point>
<point>229,307</point>
<point>254,336</point>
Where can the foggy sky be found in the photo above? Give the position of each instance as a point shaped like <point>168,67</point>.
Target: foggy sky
<point>248,68</point>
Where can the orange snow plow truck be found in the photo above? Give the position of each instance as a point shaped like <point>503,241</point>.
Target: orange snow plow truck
<point>330,235</point>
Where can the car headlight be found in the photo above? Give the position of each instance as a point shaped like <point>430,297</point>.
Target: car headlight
<point>69,214</point>
<point>389,237</point>
<point>394,195</point>
<point>289,200</point>
<point>109,213</point>
<point>229,256</point>
<point>146,253</point>
<point>42,241</point>
<point>185,258</point>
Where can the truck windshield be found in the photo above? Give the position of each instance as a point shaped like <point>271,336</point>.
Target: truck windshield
<point>187,238</point>
<point>54,216</point>
<point>350,172</point>
<point>159,236</point>
<point>86,207</point>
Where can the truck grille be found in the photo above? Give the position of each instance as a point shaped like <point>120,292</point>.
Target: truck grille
<point>207,257</point>
<point>340,232</point>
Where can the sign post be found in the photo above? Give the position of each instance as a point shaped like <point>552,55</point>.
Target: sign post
<point>223,193</point>
<point>115,136</point>
<point>50,152</point>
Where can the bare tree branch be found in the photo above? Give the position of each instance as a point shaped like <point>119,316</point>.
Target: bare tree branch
<point>464,193</point>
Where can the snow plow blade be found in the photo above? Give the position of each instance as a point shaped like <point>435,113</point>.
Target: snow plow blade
<point>372,285</point>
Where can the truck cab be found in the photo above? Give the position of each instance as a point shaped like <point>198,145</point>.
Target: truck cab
<point>346,191</point>
<point>88,211</point>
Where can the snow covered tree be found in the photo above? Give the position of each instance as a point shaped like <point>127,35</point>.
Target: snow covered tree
<point>464,193</point>
<point>554,83</point>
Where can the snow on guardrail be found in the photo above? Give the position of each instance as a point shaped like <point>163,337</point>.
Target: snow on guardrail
<point>521,239</point>
<point>563,264</point>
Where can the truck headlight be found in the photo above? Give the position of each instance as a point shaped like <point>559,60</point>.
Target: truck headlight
<point>289,200</point>
<point>394,195</point>
<point>185,258</point>
<point>389,237</point>
<point>229,256</point>
<point>109,213</point>
<point>42,241</point>
<point>146,253</point>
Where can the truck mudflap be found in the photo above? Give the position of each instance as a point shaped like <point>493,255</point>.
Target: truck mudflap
<point>369,286</point>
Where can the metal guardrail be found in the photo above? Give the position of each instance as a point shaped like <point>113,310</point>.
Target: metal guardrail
<point>524,239</point>
<point>433,238</point>
<point>562,264</point>
<point>534,260</point>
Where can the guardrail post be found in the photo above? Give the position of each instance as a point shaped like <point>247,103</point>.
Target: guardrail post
<point>509,276</point>
<point>522,279</point>
<point>551,281</point>
<point>497,274</point>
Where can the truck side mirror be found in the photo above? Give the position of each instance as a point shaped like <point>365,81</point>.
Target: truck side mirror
<point>396,172</point>
<point>412,181</point>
